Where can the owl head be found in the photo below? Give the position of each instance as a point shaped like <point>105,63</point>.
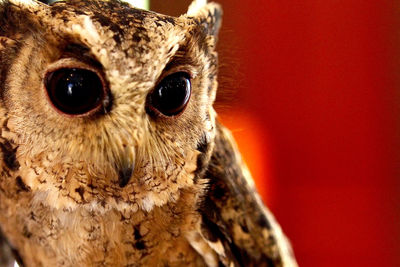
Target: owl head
<point>104,105</point>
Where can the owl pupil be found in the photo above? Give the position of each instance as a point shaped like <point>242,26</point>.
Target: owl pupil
<point>172,94</point>
<point>74,91</point>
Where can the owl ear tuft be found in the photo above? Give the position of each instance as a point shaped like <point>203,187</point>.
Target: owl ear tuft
<point>21,8</point>
<point>39,9</point>
<point>196,6</point>
<point>30,5</point>
<point>13,13</point>
<point>208,15</point>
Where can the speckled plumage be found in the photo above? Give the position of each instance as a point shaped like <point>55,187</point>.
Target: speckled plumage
<point>119,187</point>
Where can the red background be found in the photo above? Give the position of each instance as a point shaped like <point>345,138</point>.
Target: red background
<point>311,91</point>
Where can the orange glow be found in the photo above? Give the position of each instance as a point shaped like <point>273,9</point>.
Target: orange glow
<point>253,145</point>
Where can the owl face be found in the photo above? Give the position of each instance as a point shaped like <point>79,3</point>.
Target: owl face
<point>107,105</point>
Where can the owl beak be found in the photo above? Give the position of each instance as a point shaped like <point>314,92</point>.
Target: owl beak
<point>125,174</point>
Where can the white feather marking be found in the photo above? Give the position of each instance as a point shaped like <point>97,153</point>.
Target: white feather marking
<point>218,247</point>
<point>148,203</point>
<point>199,244</point>
<point>88,30</point>
<point>195,6</point>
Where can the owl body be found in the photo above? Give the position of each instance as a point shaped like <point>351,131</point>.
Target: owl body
<point>111,151</point>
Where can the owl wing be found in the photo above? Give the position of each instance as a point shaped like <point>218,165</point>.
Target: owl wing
<point>235,223</point>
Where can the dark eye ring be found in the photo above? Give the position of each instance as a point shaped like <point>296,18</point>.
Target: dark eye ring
<point>75,91</point>
<point>171,95</point>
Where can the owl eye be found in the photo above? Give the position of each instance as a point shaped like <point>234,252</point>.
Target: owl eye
<point>171,95</point>
<point>74,91</point>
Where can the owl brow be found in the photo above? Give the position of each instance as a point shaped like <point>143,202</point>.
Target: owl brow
<point>180,58</point>
<point>50,2</point>
<point>80,52</point>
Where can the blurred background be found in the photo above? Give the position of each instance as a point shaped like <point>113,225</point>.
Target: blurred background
<point>311,91</point>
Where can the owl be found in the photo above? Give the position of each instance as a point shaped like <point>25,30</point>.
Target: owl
<point>111,153</point>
